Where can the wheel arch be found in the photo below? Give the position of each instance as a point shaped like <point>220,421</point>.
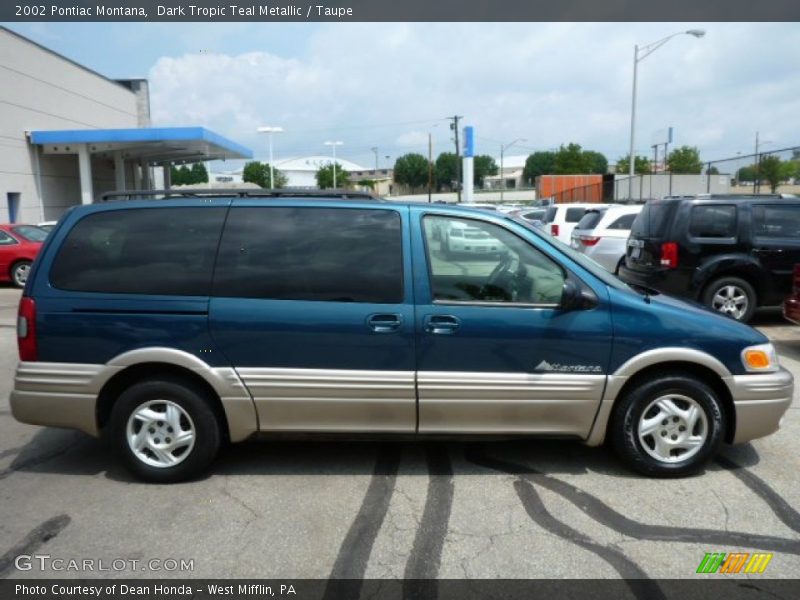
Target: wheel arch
<point>683,361</point>
<point>231,400</point>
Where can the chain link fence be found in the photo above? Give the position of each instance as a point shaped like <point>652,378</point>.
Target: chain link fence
<point>767,172</point>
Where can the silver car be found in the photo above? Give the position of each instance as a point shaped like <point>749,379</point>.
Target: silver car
<point>602,233</point>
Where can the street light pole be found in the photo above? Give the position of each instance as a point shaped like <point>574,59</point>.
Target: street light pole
<point>333,145</point>
<point>639,54</point>
<point>503,148</point>
<point>270,131</point>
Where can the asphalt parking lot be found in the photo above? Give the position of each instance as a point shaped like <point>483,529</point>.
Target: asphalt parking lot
<point>532,509</point>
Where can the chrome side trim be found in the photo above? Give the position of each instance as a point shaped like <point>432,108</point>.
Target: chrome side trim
<point>331,400</point>
<point>508,403</point>
<point>635,364</point>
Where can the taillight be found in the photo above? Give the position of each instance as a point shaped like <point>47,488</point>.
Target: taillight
<point>554,229</point>
<point>669,255</point>
<point>26,329</point>
<point>588,240</point>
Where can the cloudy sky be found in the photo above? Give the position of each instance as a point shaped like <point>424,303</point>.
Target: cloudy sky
<point>389,85</point>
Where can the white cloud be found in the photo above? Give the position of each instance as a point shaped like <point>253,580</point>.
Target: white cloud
<point>549,83</point>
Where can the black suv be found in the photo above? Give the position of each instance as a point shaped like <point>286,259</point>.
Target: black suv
<point>733,253</point>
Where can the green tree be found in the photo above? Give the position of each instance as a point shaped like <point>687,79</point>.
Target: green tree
<point>180,175</point>
<point>446,170</point>
<point>198,173</point>
<point>325,176</point>
<point>482,167</point>
<point>712,171</point>
<point>685,160</point>
<point>367,183</point>
<point>641,165</point>
<point>411,170</point>
<point>747,173</point>
<point>775,171</point>
<point>570,160</point>
<point>595,162</point>
<point>538,163</point>
<point>258,173</point>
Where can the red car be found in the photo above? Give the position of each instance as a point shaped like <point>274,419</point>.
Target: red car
<point>19,245</point>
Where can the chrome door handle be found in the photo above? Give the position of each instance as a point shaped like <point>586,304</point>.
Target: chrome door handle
<point>442,324</point>
<point>384,323</point>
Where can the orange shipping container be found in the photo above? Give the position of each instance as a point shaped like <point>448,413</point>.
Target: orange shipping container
<point>570,188</point>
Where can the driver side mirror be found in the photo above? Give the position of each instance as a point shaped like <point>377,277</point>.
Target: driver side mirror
<point>575,296</point>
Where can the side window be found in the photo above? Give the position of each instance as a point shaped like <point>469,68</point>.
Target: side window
<point>6,240</point>
<point>141,251</point>
<point>474,261</point>
<point>624,222</point>
<point>713,221</point>
<point>777,221</point>
<point>322,254</point>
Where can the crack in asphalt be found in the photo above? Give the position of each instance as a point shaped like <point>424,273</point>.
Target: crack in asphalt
<point>346,578</point>
<point>782,509</point>
<point>38,536</point>
<point>43,457</point>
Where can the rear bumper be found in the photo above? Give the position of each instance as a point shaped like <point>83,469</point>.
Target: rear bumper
<point>760,402</point>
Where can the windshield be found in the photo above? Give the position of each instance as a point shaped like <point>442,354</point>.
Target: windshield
<point>583,260</point>
<point>30,233</point>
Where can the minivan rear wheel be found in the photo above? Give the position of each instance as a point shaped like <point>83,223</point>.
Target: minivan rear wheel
<point>165,430</point>
<point>731,296</point>
<point>668,426</point>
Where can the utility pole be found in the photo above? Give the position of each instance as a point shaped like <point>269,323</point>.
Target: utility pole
<point>430,166</point>
<point>375,150</point>
<point>454,127</point>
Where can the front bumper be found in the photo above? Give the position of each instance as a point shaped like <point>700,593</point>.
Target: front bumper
<point>760,401</point>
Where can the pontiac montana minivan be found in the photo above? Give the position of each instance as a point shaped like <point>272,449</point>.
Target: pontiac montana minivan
<point>176,325</point>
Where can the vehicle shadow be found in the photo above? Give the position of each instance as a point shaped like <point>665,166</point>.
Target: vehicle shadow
<point>63,452</point>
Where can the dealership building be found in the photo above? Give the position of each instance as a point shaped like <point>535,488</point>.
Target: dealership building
<point>69,134</point>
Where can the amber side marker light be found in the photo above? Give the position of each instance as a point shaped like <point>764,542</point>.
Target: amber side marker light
<point>757,359</point>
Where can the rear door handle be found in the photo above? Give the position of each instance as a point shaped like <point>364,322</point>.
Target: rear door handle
<point>767,250</point>
<point>384,323</point>
<point>441,324</point>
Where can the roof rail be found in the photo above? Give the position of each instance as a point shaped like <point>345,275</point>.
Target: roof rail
<point>338,194</point>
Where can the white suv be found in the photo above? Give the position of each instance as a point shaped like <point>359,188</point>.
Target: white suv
<point>560,219</point>
<point>603,232</point>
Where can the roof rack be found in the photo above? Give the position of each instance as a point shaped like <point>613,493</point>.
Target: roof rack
<point>238,193</point>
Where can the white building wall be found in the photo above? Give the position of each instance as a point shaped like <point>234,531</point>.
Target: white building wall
<point>41,90</point>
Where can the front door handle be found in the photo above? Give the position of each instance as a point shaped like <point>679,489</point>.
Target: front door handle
<point>441,324</point>
<point>767,250</point>
<point>384,323</point>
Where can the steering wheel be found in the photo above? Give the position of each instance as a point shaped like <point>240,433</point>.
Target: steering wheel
<point>501,280</point>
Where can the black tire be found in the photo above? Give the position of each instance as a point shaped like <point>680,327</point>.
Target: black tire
<point>19,273</point>
<point>731,283</point>
<point>197,406</point>
<point>624,428</point>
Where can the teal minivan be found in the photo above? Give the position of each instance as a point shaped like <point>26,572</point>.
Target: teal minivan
<point>176,325</point>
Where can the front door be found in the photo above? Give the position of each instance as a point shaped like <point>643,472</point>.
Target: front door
<point>495,353</point>
<point>312,308</point>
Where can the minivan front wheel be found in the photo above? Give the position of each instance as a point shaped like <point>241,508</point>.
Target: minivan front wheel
<point>19,273</point>
<point>668,426</point>
<point>733,297</point>
<point>166,431</point>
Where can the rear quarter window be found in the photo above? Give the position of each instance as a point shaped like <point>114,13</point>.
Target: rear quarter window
<point>622,223</point>
<point>590,219</point>
<point>550,215</point>
<point>574,214</point>
<point>159,251</point>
